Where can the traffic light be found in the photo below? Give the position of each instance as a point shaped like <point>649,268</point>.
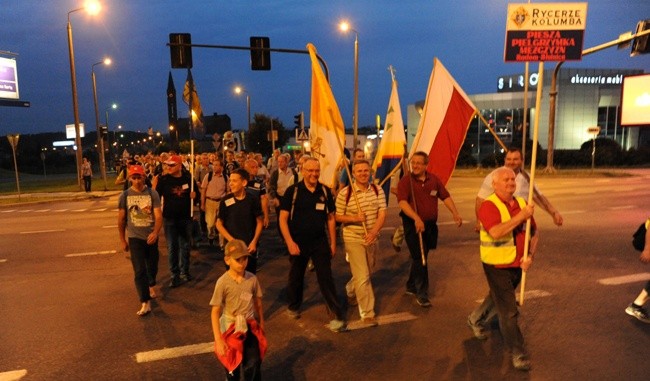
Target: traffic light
<point>181,55</point>
<point>103,130</point>
<point>640,44</point>
<point>260,59</point>
<point>299,120</point>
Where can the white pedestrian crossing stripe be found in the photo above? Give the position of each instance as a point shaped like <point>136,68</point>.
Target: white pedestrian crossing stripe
<point>13,375</point>
<point>633,278</point>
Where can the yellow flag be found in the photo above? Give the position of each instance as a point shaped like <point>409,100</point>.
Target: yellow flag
<point>326,130</point>
<point>197,111</point>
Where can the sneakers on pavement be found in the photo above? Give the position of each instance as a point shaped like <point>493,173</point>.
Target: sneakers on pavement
<point>409,292</point>
<point>293,314</point>
<point>337,326</point>
<point>424,302</point>
<point>369,321</point>
<point>477,330</point>
<point>521,362</point>
<point>186,277</point>
<point>637,312</point>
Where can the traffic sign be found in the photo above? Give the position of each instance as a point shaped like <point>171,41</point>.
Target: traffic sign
<point>302,136</point>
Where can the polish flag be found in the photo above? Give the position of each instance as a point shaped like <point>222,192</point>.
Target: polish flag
<point>443,126</point>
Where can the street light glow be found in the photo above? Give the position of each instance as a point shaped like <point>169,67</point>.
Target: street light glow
<point>344,26</point>
<point>108,61</point>
<point>92,7</point>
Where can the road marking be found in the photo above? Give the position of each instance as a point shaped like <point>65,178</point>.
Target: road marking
<point>42,231</point>
<point>26,211</point>
<point>109,227</point>
<point>78,210</point>
<point>3,260</point>
<point>170,353</point>
<point>99,210</point>
<point>13,375</point>
<point>451,222</point>
<point>622,207</point>
<point>633,278</point>
<point>574,212</point>
<point>60,210</point>
<point>106,252</point>
<point>384,320</point>
<point>530,294</point>
<point>8,211</point>
<point>42,210</point>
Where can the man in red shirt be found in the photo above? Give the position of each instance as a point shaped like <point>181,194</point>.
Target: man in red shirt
<point>503,233</point>
<point>417,195</point>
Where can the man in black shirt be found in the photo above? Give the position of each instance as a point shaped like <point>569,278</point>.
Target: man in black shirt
<point>240,216</point>
<point>174,189</point>
<point>309,230</point>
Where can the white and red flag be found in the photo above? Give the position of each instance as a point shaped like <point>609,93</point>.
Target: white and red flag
<point>443,126</point>
<point>326,130</point>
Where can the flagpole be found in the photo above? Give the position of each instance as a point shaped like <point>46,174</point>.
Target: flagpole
<point>494,134</point>
<point>533,160</point>
<point>415,205</point>
<point>191,124</point>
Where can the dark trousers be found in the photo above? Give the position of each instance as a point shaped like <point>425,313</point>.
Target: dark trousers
<point>178,233</point>
<point>144,258</point>
<point>503,282</point>
<point>418,281</point>
<point>87,182</point>
<point>320,254</point>
<point>251,364</point>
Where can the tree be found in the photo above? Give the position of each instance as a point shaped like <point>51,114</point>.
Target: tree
<point>257,136</point>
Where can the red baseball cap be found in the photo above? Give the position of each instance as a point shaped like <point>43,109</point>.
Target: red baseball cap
<point>136,170</point>
<point>173,160</point>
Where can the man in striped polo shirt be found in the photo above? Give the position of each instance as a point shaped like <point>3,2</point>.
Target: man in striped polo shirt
<point>361,207</point>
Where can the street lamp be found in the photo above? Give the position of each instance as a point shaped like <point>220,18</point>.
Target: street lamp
<point>111,107</point>
<point>92,7</point>
<point>238,91</point>
<point>172,129</point>
<point>345,26</point>
<point>100,138</point>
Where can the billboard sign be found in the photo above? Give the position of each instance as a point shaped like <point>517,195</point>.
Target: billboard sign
<point>635,101</point>
<point>8,78</point>
<point>545,32</point>
<point>70,133</point>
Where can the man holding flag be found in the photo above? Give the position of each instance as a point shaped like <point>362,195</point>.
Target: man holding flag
<point>417,195</point>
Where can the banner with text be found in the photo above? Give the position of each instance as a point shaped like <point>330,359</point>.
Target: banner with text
<point>545,32</point>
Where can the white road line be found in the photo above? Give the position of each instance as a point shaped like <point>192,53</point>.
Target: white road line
<point>170,353</point>
<point>60,210</point>
<point>13,375</point>
<point>622,207</point>
<point>109,227</point>
<point>3,260</point>
<point>384,320</point>
<point>530,294</point>
<point>26,211</point>
<point>42,211</point>
<point>8,211</point>
<point>78,210</point>
<point>99,210</point>
<point>450,223</point>
<point>42,231</point>
<point>574,212</point>
<point>633,278</point>
<point>106,252</point>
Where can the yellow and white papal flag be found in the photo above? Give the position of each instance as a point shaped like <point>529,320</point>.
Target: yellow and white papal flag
<point>326,130</point>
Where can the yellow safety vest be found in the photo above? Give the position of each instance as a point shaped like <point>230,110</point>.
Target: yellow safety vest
<point>500,251</point>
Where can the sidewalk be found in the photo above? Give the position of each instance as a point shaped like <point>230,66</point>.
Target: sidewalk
<point>43,197</point>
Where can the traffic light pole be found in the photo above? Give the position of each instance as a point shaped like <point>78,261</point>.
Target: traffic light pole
<point>298,51</point>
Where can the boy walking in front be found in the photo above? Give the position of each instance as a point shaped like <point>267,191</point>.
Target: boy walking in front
<point>236,302</point>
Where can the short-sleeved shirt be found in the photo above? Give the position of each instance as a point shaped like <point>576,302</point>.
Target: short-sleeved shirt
<point>239,217</point>
<point>310,211</point>
<point>175,192</point>
<point>521,190</point>
<point>426,193</point>
<point>139,208</point>
<point>236,298</point>
<point>215,187</point>
<point>371,201</point>
<point>256,186</point>
<point>489,216</point>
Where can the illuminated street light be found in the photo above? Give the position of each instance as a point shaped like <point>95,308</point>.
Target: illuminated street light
<point>92,7</point>
<point>345,27</point>
<point>111,107</point>
<point>238,91</point>
<point>100,138</point>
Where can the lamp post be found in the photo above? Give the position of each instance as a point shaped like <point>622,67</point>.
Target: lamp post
<point>238,91</point>
<point>100,138</point>
<point>345,26</point>
<point>92,8</point>
<point>111,107</point>
<point>172,129</point>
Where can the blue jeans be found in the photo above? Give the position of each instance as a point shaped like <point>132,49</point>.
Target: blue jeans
<point>177,233</point>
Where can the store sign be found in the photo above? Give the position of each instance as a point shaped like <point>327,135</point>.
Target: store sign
<point>70,132</point>
<point>8,79</point>
<point>545,32</point>
<point>515,83</point>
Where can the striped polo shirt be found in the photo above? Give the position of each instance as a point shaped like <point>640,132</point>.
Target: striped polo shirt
<point>369,202</point>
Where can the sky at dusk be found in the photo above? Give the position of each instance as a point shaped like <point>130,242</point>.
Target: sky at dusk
<point>467,36</point>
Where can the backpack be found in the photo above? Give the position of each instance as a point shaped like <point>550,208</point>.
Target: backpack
<point>638,238</point>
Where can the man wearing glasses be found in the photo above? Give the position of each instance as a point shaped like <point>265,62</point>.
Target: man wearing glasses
<point>174,189</point>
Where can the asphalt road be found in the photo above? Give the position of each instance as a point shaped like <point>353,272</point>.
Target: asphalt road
<point>67,300</point>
